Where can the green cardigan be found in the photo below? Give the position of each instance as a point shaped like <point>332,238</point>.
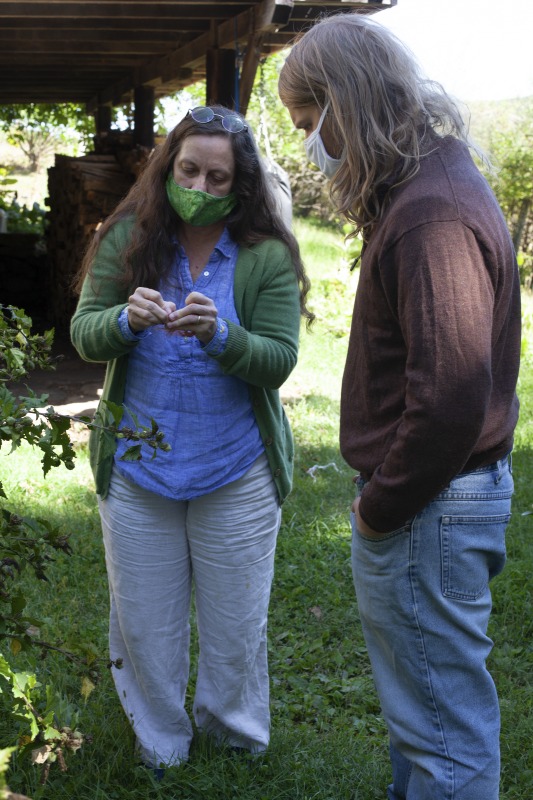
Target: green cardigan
<point>263,352</point>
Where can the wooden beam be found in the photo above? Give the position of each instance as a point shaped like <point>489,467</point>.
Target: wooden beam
<point>85,9</point>
<point>99,50</point>
<point>257,20</point>
<point>229,34</point>
<point>77,46</point>
<point>50,40</point>
<point>94,24</point>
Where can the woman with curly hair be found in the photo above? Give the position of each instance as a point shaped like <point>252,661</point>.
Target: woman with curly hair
<point>192,292</point>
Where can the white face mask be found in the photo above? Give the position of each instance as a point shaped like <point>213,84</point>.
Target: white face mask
<point>317,153</point>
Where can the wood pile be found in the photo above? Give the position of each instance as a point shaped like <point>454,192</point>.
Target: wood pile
<point>82,192</point>
<point>24,270</point>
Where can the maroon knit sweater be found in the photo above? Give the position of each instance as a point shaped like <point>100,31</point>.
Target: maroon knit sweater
<point>430,377</point>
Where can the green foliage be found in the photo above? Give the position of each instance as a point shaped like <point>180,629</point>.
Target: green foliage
<point>270,120</point>
<point>6,183</point>
<point>510,147</point>
<point>280,141</point>
<point>63,116</point>
<point>42,721</point>
<point>22,219</point>
<point>525,268</point>
<point>38,129</point>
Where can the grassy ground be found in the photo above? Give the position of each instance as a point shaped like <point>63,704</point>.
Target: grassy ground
<point>328,738</point>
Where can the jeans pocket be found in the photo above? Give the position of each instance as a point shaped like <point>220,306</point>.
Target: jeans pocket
<point>379,539</point>
<point>473,552</point>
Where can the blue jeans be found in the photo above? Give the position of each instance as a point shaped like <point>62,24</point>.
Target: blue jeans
<point>424,601</point>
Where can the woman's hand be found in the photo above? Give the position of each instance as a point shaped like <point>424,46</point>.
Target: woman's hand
<point>146,307</point>
<point>198,317</point>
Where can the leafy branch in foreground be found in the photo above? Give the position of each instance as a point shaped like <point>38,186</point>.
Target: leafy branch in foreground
<point>28,545</point>
<point>5,794</point>
<point>52,742</point>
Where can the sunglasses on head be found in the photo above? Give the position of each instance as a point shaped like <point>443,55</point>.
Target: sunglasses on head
<point>232,123</point>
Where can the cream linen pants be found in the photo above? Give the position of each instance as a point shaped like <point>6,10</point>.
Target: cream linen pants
<point>156,549</point>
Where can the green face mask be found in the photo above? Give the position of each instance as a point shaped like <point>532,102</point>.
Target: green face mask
<point>196,207</point>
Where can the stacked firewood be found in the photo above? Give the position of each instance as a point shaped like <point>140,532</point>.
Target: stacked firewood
<point>81,193</point>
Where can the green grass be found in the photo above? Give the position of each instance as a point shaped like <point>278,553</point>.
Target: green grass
<point>328,737</point>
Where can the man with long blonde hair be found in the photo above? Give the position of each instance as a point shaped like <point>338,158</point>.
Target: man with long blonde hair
<point>428,406</point>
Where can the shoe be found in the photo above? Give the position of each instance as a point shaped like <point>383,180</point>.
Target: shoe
<point>157,772</point>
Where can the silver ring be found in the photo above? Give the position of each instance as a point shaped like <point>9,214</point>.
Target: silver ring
<point>198,320</point>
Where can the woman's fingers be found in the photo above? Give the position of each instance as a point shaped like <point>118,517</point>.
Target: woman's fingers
<point>147,307</point>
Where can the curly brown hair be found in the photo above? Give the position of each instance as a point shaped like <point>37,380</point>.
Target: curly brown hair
<point>149,257</point>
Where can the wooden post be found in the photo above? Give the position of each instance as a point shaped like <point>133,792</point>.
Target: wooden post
<point>249,69</point>
<point>144,99</point>
<point>102,119</point>
<point>220,77</point>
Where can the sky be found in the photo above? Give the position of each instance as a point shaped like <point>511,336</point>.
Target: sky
<point>477,49</point>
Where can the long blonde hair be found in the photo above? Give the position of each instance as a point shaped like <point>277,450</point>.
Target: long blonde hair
<point>385,113</point>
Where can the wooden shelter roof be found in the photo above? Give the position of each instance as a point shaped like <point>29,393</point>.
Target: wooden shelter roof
<point>97,52</point>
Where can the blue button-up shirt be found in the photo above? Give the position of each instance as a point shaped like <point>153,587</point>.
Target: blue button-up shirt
<point>206,416</point>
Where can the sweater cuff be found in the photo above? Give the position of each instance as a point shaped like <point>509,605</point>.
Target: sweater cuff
<point>125,329</point>
<point>217,345</point>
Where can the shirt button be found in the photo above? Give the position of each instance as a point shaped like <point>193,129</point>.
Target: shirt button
<point>269,441</point>
<point>277,472</point>
<point>206,273</point>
